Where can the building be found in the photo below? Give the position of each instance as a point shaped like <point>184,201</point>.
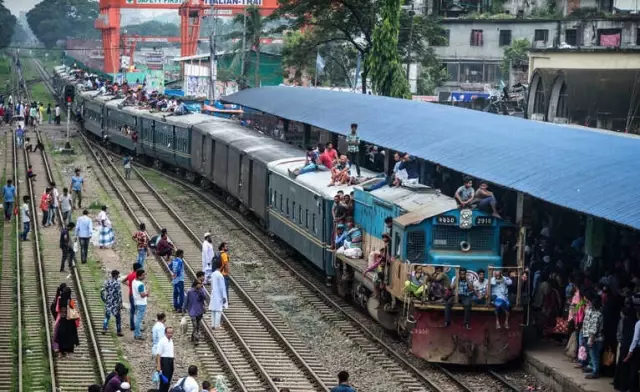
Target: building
<point>595,86</point>
<point>475,48</point>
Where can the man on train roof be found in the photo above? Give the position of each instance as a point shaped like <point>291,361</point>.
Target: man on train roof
<point>464,194</point>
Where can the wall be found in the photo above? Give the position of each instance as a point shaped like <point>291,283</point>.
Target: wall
<point>583,60</point>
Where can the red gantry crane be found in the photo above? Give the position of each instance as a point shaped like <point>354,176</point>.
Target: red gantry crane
<point>191,14</point>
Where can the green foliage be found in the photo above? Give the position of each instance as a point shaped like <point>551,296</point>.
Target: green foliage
<point>7,26</point>
<point>53,20</point>
<point>515,55</point>
<point>152,27</point>
<point>255,29</point>
<point>387,76</point>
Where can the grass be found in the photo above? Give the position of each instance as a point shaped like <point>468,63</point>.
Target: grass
<point>161,183</point>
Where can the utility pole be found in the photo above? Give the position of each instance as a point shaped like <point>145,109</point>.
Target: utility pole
<point>213,72</point>
<point>411,13</point>
<point>244,41</point>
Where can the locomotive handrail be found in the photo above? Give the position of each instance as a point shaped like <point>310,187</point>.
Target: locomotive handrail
<point>490,270</point>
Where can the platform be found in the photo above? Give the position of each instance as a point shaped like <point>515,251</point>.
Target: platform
<point>549,364</point>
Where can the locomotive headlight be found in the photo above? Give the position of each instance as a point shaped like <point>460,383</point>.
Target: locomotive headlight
<point>466,219</point>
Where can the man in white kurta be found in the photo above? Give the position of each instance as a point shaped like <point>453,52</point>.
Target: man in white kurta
<point>218,300</point>
<point>207,256</point>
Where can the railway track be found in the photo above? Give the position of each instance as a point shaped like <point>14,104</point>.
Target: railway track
<point>26,334</point>
<point>258,346</point>
<point>333,308</point>
<point>87,364</point>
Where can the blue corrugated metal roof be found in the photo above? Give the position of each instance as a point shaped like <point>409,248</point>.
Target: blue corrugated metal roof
<point>588,171</point>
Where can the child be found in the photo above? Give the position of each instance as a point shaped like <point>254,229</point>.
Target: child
<point>30,175</point>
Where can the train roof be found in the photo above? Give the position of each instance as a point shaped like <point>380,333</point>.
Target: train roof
<point>419,202</point>
<point>188,120</point>
<point>316,181</point>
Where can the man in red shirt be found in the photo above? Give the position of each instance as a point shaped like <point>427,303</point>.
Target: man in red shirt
<point>331,153</point>
<point>132,311</point>
<point>325,158</point>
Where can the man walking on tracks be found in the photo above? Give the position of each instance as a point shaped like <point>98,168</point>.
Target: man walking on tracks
<point>207,257</point>
<point>142,243</point>
<point>218,300</point>
<point>77,186</point>
<point>140,295</point>
<point>177,273</point>
<point>343,383</point>
<point>26,218</point>
<point>67,246</point>
<point>9,198</point>
<point>132,309</point>
<point>84,229</point>
<point>194,305</point>
<point>224,258</point>
<point>164,359</point>
<point>112,297</point>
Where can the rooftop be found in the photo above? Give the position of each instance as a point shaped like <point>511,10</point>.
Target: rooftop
<point>589,172</point>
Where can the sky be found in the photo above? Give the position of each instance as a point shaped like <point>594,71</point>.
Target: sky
<point>17,6</point>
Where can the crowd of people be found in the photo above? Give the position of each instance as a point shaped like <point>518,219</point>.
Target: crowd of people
<point>32,112</point>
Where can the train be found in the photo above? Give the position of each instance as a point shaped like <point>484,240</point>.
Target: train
<point>252,171</point>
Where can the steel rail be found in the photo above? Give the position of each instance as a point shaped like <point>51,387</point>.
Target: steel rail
<point>97,355</point>
<point>38,261</point>
<point>314,378</point>
<point>133,216</point>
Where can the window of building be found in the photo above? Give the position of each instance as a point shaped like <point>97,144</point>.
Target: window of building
<point>541,35</point>
<point>505,38</point>
<point>443,39</point>
<point>452,70</point>
<point>609,37</point>
<point>571,37</point>
<point>476,38</point>
<point>471,73</point>
<point>492,73</point>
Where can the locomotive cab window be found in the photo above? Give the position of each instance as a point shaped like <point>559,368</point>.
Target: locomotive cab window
<point>416,244</point>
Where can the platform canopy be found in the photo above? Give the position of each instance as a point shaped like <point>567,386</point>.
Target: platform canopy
<point>590,171</point>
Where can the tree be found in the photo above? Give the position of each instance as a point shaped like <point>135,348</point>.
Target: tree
<point>387,75</point>
<point>352,22</point>
<point>153,28</point>
<point>515,55</point>
<point>53,20</point>
<point>255,28</point>
<point>7,25</point>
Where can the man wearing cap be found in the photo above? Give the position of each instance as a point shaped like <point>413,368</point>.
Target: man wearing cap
<point>207,256</point>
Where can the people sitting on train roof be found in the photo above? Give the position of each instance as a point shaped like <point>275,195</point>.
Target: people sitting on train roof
<point>341,172</point>
<point>464,194</point>
<point>340,235</point>
<point>484,199</point>
<point>465,293</point>
<point>480,288</point>
<point>352,246</point>
<point>311,163</point>
<point>329,156</point>
<point>500,296</point>
<point>409,165</point>
<point>438,283</point>
<point>415,284</point>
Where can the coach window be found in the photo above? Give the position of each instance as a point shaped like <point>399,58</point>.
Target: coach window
<point>315,228</point>
<point>281,208</point>
<point>300,214</point>
<point>293,210</point>
<point>294,203</point>
<point>306,219</point>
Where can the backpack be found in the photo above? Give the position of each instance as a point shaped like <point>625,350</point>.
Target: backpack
<point>216,259</point>
<point>179,387</point>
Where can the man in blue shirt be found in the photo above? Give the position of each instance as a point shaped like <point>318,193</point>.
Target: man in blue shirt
<point>84,229</point>
<point>177,273</point>
<point>9,198</point>
<point>343,383</point>
<point>77,185</point>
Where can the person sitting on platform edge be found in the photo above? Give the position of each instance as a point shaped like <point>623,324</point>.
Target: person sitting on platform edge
<point>352,247</point>
<point>500,296</point>
<point>464,194</point>
<point>437,283</point>
<point>465,290</point>
<point>480,288</point>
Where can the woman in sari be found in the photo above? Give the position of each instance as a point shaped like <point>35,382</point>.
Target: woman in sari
<point>65,336</point>
<point>107,237</point>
